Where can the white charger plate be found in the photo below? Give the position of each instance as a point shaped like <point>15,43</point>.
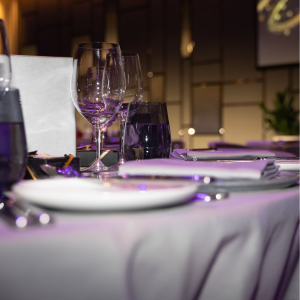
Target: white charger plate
<point>92,194</point>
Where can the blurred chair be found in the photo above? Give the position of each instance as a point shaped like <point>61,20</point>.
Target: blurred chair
<point>222,144</point>
<point>177,144</point>
<point>261,145</point>
<point>49,114</point>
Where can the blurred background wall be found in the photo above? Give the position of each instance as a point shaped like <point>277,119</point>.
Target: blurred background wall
<point>197,56</point>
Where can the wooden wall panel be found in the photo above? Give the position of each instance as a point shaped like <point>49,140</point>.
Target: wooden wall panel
<point>276,80</point>
<point>173,19</point>
<point>48,13</point>
<point>243,93</point>
<point>186,101</point>
<point>65,10</point>
<point>29,29</point>
<point>206,35</point>
<point>133,36</point>
<point>204,140</point>
<point>200,6</point>
<point>98,23</point>
<point>157,36</point>
<point>131,4</point>
<point>239,40</point>
<point>28,6</point>
<point>174,115</point>
<point>157,88</point>
<point>48,42</point>
<point>242,124</point>
<point>206,109</point>
<point>206,73</point>
<point>65,38</point>
<point>81,18</point>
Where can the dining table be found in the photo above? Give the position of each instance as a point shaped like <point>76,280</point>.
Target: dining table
<point>243,247</point>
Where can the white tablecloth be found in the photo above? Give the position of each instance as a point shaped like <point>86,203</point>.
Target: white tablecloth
<point>241,248</point>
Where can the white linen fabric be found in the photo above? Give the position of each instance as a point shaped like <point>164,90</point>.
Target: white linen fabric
<point>49,114</point>
<point>256,169</point>
<point>288,165</point>
<point>220,154</point>
<point>241,248</point>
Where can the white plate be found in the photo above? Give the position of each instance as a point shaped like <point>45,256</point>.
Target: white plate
<point>92,194</point>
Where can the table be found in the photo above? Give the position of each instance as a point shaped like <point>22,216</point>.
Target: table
<point>241,248</point>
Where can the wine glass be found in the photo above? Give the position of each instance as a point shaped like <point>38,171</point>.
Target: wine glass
<point>147,133</point>
<point>5,63</point>
<point>94,65</point>
<point>133,94</point>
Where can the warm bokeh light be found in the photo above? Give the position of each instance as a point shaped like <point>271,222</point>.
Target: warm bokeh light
<point>150,74</point>
<point>221,130</point>
<point>191,131</point>
<point>181,132</point>
<point>190,47</point>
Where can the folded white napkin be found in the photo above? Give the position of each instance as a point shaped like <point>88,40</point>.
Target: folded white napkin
<point>185,154</point>
<point>288,165</point>
<point>256,169</point>
<point>48,110</point>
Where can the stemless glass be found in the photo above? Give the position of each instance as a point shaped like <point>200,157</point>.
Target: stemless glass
<point>133,94</point>
<point>148,134</point>
<point>94,65</point>
<point>5,63</point>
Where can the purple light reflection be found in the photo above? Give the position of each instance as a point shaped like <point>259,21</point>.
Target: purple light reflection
<point>196,177</point>
<point>143,188</point>
<point>203,197</point>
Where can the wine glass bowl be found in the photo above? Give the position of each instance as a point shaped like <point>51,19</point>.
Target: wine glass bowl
<point>133,94</point>
<point>97,88</point>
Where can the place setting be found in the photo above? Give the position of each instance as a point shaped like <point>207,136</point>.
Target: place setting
<point>149,150</point>
<point>107,85</point>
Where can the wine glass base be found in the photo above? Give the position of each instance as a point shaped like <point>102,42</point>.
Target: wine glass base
<point>99,168</point>
<point>120,162</point>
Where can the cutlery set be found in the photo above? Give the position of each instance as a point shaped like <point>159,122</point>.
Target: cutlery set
<point>22,215</point>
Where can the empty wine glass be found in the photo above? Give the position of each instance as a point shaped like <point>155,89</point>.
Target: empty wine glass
<point>133,94</point>
<point>5,63</point>
<point>94,65</point>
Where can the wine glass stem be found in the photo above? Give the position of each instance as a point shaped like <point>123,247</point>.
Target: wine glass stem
<point>122,133</point>
<point>98,163</point>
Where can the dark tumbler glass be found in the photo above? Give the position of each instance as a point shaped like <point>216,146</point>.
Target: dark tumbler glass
<point>148,133</point>
<point>13,150</point>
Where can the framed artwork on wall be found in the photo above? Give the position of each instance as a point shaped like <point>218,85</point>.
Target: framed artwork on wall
<point>277,33</point>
